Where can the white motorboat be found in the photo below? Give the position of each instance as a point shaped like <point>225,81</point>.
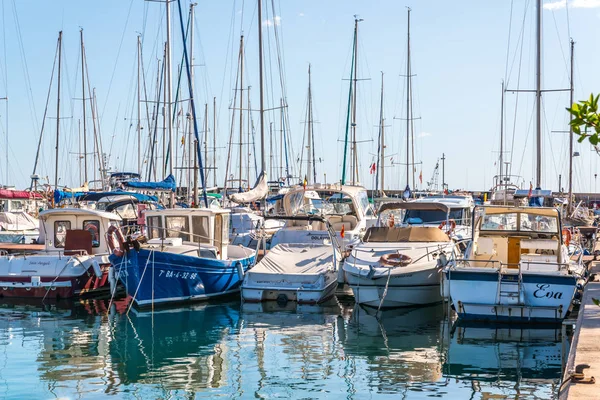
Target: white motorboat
<point>346,209</point>
<point>73,260</point>
<point>400,266</point>
<point>247,227</point>
<point>517,267</point>
<point>302,272</point>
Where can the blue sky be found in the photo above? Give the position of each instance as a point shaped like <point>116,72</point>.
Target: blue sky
<point>459,56</point>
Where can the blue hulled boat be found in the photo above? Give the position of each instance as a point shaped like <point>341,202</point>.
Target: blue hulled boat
<point>186,257</point>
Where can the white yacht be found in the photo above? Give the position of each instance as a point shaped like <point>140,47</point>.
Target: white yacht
<point>517,267</point>
<point>400,266</point>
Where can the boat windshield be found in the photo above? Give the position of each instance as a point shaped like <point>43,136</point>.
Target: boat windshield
<point>321,203</point>
<point>418,217</point>
<point>523,222</point>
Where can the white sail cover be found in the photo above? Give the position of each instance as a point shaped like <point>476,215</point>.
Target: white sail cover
<point>258,192</point>
<point>84,188</point>
<point>17,221</point>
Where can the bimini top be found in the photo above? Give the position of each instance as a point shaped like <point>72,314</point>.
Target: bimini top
<point>413,205</point>
<point>450,201</point>
<point>542,211</point>
<point>408,234</point>
<point>78,211</point>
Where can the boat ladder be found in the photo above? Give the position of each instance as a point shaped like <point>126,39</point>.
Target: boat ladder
<point>509,288</point>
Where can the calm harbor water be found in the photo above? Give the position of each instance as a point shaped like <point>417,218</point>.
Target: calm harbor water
<point>226,350</point>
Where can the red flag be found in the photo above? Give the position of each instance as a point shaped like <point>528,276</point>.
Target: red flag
<point>421,177</point>
<point>343,231</point>
<point>373,168</point>
<point>530,189</point>
<point>445,191</point>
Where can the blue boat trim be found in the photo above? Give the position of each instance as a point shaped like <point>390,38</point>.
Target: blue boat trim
<point>492,276</point>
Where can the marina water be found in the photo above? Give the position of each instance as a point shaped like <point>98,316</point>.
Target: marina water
<point>228,350</point>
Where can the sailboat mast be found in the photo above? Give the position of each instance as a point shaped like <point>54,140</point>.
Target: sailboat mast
<point>139,105</point>
<point>206,139</point>
<point>408,104</point>
<point>570,202</point>
<point>381,168</point>
<point>169,92</point>
<point>241,106</point>
<point>310,144</point>
<point>538,95</point>
<point>262,105</point>
<point>85,168</point>
<point>271,149</point>
<point>58,109</point>
<point>215,140</point>
<point>501,160</point>
<point>354,153</point>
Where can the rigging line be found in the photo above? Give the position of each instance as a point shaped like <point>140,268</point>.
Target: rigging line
<point>514,131</point>
<point>529,126</point>
<point>34,120</point>
<point>519,38</point>
<point>562,52</point>
<point>556,171</point>
<point>508,42</point>
<point>117,59</point>
<point>568,19</point>
<point>5,75</point>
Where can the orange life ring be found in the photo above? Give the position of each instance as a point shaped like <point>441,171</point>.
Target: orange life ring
<point>391,221</point>
<point>566,233</point>
<point>452,225</point>
<point>115,241</point>
<point>395,260</point>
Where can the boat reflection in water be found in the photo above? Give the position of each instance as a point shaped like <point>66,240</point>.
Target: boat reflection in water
<point>402,347</point>
<point>500,359</point>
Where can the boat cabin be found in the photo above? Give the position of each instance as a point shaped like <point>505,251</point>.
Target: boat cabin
<point>205,226</point>
<point>529,237</point>
<point>459,210</point>
<point>76,230</point>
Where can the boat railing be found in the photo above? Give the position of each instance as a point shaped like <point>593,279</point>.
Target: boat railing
<point>60,252</point>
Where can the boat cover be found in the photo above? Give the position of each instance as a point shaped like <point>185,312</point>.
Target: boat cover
<point>18,194</point>
<point>258,192</point>
<point>295,259</point>
<point>17,221</point>
<point>409,234</point>
<point>168,184</point>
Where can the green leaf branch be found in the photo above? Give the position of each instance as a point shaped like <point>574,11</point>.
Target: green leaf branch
<point>586,121</point>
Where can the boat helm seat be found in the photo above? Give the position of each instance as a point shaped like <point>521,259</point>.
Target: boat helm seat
<point>350,219</point>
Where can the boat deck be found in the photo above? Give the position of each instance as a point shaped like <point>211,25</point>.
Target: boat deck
<point>20,247</point>
<point>585,348</point>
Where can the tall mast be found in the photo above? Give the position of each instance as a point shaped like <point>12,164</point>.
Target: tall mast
<point>215,140</point>
<point>58,109</point>
<point>501,136</point>
<point>241,105</point>
<point>206,139</point>
<point>169,93</point>
<point>262,105</point>
<point>249,141</point>
<point>271,149</point>
<point>354,153</point>
<point>139,105</point>
<point>281,140</point>
<point>350,93</point>
<point>408,111</point>
<point>191,114</point>
<point>538,95</point>
<point>570,204</point>
<point>85,167</point>
<point>381,161</point>
<point>310,144</point>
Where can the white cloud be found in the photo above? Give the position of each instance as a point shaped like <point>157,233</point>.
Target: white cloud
<point>558,4</point>
<point>423,134</point>
<point>270,22</point>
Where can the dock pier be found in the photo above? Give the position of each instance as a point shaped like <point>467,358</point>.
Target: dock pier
<point>582,373</point>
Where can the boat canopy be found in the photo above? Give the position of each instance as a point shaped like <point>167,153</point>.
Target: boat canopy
<point>402,205</point>
<point>408,234</point>
<point>167,185</point>
<point>258,192</point>
<point>541,211</point>
<point>19,194</point>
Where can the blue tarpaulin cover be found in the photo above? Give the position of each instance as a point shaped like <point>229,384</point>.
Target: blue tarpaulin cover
<point>168,184</point>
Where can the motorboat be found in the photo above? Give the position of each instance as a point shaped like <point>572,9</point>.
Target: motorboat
<point>185,256</point>
<point>346,208</point>
<point>306,273</point>
<point>17,210</point>
<point>517,268</point>
<point>73,261</point>
<point>397,266</point>
<point>248,227</point>
<point>459,219</point>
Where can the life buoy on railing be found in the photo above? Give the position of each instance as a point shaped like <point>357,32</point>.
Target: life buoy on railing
<point>93,229</point>
<point>451,223</point>
<point>395,260</point>
<point>391,221</point>
<point>115,241</point>
<point>566,233</point>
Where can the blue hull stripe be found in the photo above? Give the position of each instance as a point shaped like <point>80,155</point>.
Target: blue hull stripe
<point>493,277</point>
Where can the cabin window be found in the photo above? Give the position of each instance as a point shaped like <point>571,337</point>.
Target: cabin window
<point>499,222</point>
<point>178,226</point>
<point>93,226</point>
<point>201,229</point>
<point>221,230</point>
<point>155,227</point>
<point>538,223</point>
<point>60,232</point>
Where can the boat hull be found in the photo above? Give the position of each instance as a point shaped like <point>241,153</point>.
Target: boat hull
<point>276,291</point>
<point>543,297</point>
<point>155,277</point>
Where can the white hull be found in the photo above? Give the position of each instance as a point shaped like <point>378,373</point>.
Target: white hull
<point>476,295</point>
<point>296,293</point>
